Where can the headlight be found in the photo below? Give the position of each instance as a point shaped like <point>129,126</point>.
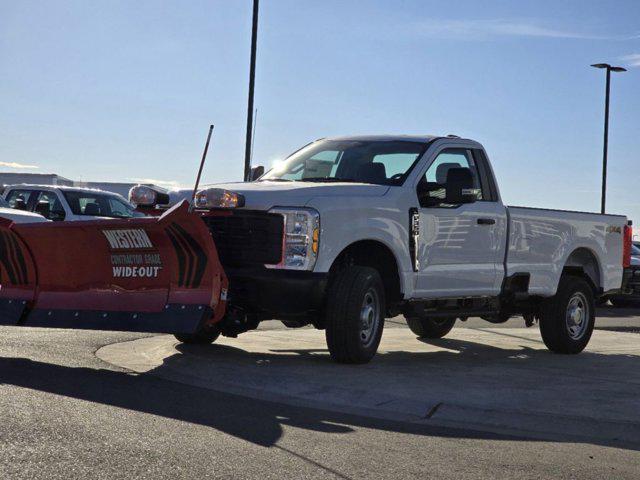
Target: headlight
<point>301,237</point>
<point>218,198</point>
<point>145,196</point>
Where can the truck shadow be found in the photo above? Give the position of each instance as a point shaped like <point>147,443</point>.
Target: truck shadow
<point>258,421</point>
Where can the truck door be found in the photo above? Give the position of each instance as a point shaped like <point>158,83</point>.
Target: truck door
<point>460,247</point>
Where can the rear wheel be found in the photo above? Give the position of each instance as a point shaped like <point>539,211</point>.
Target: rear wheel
<point>201,337</point>
<point>355,314</point>
<point>425,327</point>
<point>568,318</point>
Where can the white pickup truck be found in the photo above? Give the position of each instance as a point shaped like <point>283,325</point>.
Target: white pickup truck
<point>347,231</point>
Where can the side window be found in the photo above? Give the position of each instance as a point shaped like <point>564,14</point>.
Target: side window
<point>84,201</point>
<point>19,199</point>
<point>431,188</point>
<point>49,206</point>
<point>119,209</point>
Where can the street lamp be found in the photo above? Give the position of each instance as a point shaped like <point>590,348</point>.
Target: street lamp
<point>252,81</point>
<point>609,69</point>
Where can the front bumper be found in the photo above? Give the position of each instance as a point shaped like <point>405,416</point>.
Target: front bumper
<point>277,294</point>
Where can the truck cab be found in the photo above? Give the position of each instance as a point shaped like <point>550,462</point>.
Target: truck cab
<point>347,231</point>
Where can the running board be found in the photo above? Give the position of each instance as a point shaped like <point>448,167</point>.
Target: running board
<point>458,313</point>
<point>453,307</point>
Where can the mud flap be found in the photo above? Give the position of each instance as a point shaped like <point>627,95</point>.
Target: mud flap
<point>157,274</point>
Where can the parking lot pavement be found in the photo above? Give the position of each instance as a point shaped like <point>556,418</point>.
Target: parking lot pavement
<point>511,382</point>
<point>66,414</point>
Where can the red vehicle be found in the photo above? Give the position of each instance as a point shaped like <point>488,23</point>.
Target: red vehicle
<point>153,274</point>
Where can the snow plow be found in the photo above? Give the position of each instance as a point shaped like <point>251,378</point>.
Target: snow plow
<point>155,274</point>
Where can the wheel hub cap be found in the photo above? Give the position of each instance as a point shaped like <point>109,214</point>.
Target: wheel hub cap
<point>369,317</point>
<point>577,315</point>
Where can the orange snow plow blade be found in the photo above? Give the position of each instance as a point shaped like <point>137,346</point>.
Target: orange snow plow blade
<point>157,274</point>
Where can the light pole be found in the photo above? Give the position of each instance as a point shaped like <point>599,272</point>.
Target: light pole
<point>252,77</point>
<point>609,69</point>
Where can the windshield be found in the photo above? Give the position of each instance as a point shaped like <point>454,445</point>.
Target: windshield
<point>635,250</point>
<point>100,204</point>
<point>378,162</point>
<point>3,203</point>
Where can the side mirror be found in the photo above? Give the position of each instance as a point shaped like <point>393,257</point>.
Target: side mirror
<point>430,194</point>
<point>459,187</point>
<point>256,173</point>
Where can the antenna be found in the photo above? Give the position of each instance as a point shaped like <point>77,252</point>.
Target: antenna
<point>204,157</point>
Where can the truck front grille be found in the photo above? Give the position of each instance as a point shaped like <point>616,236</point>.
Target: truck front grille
<point>245,237</point>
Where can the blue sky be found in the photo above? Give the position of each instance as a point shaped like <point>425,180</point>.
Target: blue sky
<point>122,90</point>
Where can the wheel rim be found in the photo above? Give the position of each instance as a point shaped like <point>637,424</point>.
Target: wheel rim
<point>369,317</point>
<point>577,315</point>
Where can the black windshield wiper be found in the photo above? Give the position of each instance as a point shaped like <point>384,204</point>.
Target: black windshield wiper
<point>275,180</point>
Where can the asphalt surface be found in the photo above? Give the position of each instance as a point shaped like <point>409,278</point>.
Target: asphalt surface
<point>66,414</point>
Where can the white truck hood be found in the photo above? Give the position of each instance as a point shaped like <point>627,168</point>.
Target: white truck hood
<point>267,194</point>
<point>20,216</point>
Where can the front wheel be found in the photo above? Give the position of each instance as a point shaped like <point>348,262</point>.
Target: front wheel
<point>568,318</point>
<point>201,337</point>
<point>425,327</point>
<point>355,314</point>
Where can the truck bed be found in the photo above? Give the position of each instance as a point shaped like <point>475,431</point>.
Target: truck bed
<point>541,241</point>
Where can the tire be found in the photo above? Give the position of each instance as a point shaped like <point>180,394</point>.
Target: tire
<point>425,327</point>
<point>354,314</point>
<point>201,337</point>
<point>568,318</point>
